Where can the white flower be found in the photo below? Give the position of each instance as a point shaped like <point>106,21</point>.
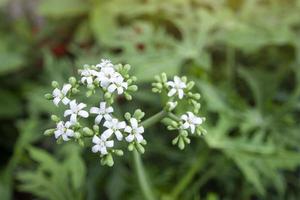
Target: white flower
<point>135,131</point>
<point>190,121</point>
<point>63,130</point>
<point>101,112</point>
<point>107,76</point>
<point>117,84</point>
<point>177,86</point>
<point>114,126</point>
<point>105,63</point>
<point>87,75</point>
<point>76,109</point>
<point>101,144</point>
<point>60,95</point>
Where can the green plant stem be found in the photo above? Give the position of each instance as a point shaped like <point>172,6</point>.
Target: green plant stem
<point>185,181</point>
<point>139,168</point>
<point>142,178</point>
<point>154,119</point>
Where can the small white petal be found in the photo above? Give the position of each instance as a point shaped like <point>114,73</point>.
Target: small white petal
<point>109,143</point>
<point>83,113</point>
<point>98,119</point>
<point>109,110</point>
<point>73,118</point>
<point>65,100</point>
<point>81,106</point>
<point>96,148</point>
<point>180,93</point>
<point>140,129</point>
<point>119,135</point>
<point>128,129</point>
<point>65,137</point>
<point>106,134</point>
<point>121,125</point>
<point>103,150</point>
<point>129,138</point>
<point>112,88</point>
<point>186,125</point>
<point>172,92</point>
<point>192,128</point>
<point>95,110</point>
<point>57,133</point>
<point>73,105</point>
<point>66,88</point>
<point>139,138</point>
<point>70,133</point>
<point>134,123</point>
<point>56,100</point>
<point>96,139</point>
<point>56,92</point>
<point>67,112</point>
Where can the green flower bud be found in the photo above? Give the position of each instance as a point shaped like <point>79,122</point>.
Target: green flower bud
<point>55,84</point>
<point>87,131</point>
<point>77,135</point>
<point>127,96</point>
<point>140,148</point>
<point>118,152</point>
<point>133,88</point>
<point>127,116</point>
<point>75,90</point>
<point>184,79</point>
<point>72,81</point>
<point>133,78</point>
<point>155,90</point>
<point>107,95</point>
<point>48,96</point>
<point>157,78</point>
<point>89,93</point>
<point>164,77</point>
<point>91,87</point>
<point>175,140</point>
<point>130,147</point>
<point>190,85</point>
<point>49,132</point>
<point>109,160</point>
<point>138,114</point>
<point>96,128</point>
<point>81,142</point>
<point>181,144</point>
<point>127,67</point>
<point>55,118</point>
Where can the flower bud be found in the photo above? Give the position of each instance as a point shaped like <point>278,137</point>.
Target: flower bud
<point>130,147</point>
<point>91,87</point>
<point>72,80</point>
<point>127,116</point>
<point>127,67</point>
<point>118,152</point>
<point>133,88</point>
<point>75,90</point>
<point>133,78</point>
<point>181,144</point>
<point>107,95</point>
<point>127,96</point>
<point>48,96</point>
<point>55,84</point>
<point>55,118</point>
<point>96,128</point>
<point>88,131</point>
<point>77,135</point>
<point>49,132</point>
<point>190,85</point>
<point>140,148</point>
<point>109,160</point>
<point>164,77</point>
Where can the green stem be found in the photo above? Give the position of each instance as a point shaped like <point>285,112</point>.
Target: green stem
<point>154,119</point>
<point>185,181</point>
<point>142,178</point>
<point>139,168</point>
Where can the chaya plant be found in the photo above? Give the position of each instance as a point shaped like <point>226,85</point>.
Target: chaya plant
<point>105,82</point>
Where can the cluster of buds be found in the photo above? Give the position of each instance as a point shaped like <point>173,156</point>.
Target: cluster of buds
<point>105,82</point>
<point>179,92</point>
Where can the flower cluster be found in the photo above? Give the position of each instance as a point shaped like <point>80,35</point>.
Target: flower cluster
<point>104,82</point>
<point>179,92</point>
<point>110,81</point>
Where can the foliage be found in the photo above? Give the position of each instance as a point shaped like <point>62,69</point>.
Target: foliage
<point>243,55</point>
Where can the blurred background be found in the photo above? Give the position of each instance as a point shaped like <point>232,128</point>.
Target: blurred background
<point>244,56</point>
